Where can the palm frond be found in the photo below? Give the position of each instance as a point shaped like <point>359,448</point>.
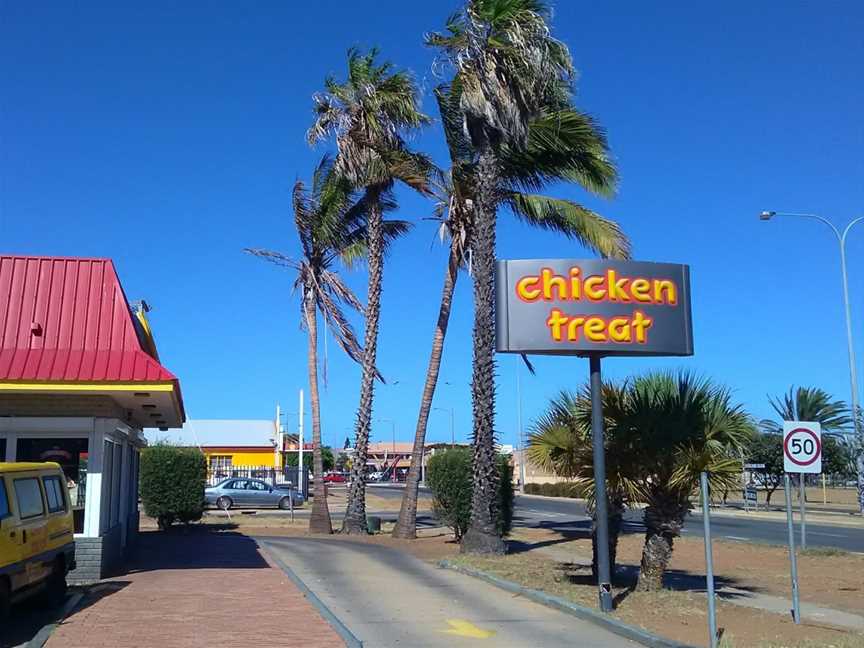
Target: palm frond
<point>572,220</point>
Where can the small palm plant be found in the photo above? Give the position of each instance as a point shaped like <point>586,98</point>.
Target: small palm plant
<point>332,226</point>
<point>686,425</point>
<point>368,114</point>
<point>661,430</point>
<point>561,443</point>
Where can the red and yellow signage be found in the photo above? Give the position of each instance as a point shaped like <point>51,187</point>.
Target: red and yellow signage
<point>622,308</point>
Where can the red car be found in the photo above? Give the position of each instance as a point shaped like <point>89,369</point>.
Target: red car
<point>335,478</point>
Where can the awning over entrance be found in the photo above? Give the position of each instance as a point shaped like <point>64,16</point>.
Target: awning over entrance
<point>66,329</point>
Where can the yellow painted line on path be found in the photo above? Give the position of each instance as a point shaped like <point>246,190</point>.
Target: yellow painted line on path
<point>463,628</point>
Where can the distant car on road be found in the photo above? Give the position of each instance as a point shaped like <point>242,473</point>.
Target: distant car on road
<point>250,493</point>
<point>335,478</point>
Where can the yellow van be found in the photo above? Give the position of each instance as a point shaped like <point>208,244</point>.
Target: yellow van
<point>37,548</point>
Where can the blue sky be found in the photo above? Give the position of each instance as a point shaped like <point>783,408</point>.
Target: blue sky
<point>167,136</point>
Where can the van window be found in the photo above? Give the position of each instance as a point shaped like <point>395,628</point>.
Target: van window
<point>29,497</point>
<point>4,502</point>
<point>54,494</point>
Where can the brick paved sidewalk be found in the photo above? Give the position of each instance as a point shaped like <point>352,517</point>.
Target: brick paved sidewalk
<point>196,589</point>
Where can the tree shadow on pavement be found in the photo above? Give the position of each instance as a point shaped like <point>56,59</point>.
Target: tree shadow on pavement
<point>210,546</point>
<point>681,581</point>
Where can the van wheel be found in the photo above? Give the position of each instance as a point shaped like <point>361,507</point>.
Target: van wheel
<point>56,585</point>
<point>224,503</point>
<point>5,598</point>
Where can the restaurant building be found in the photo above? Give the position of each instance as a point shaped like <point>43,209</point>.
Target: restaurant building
<point>80,378</point>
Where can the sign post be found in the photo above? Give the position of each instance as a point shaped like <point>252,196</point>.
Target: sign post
<point>594,308</point>
<point>793,560</point>
<point>750,492</point>
<point>604,575</point>
<point>802,454</point>
<point>709,561</point>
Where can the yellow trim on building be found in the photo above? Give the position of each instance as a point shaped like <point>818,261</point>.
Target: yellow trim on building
<point>88,386</point>
<point>245,457</point>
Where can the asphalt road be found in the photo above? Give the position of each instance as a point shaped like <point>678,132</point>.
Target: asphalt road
<point>569,515</point>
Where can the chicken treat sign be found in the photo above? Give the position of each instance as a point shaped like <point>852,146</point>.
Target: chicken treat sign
<point>584,307</point>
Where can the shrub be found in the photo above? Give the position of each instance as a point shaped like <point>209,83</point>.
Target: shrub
<point>449,477</point>
<point>532,489</point>
<point>172,483</point>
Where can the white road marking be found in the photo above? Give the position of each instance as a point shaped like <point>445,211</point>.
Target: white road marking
<point>830,535</point>
<point>737,538</point>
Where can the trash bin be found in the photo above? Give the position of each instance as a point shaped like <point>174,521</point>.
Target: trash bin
<point>373,524</point>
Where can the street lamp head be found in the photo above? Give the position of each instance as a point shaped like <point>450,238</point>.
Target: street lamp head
<point>767,215</point>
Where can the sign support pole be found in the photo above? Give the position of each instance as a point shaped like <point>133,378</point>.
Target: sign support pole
<point>601,512</point>
<point>796,611</point>
<point>802,496</point>
<point>709,561</point>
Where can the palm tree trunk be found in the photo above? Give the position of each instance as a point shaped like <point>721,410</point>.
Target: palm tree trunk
<point>484,536</point>
<point>406,527</point>
<point>319,520</point>
<point>664,520</point>
<point>355,514</point>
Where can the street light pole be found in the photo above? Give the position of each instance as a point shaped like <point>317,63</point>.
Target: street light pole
<point>853,378</point>
<point>519,426</point>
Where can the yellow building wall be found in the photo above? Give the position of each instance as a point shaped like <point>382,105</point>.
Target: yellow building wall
<point>244,457</point>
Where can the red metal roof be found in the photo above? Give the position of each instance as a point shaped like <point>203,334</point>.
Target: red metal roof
<point>67,319</point>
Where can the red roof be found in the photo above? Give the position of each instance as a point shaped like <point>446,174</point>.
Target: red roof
<point>67,319</point>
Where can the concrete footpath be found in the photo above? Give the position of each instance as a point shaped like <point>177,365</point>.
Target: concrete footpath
<point>198,588</point>
<point>388,598</point>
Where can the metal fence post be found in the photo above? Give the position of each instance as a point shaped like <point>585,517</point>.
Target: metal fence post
<point>709,561</point>
<point>796,611</point>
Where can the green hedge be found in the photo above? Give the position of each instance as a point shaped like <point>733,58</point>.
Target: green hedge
<point>448,475</point>
<point>561,489</point>
<point>172,483</point>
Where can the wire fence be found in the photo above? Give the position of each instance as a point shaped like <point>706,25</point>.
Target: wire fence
<point>273,476</point>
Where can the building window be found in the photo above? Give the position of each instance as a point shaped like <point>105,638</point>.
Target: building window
<point>72,455</point>
<point>3,449</point>
<point>220,463</point>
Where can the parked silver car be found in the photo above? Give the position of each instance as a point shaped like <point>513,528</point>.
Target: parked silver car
<point>241,492</point>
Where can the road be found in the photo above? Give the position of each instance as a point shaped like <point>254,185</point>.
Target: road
<point>569,515</point>
<point>387,598</point>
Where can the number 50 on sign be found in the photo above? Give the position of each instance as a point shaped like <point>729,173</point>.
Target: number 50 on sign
<point>802,447</point>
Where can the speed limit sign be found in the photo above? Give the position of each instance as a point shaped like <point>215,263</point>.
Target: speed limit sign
<point>802,447</point>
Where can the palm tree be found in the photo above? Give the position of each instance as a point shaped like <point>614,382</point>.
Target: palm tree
<point>561,443</point>
<point>685,425</point>
<point>808,404</point>
<point>508,70</point>
<point>562,145</point>
<point>367,114</point>
<point>331,226</point>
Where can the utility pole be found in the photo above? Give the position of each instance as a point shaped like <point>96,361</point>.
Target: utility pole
<point>519,426</point>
